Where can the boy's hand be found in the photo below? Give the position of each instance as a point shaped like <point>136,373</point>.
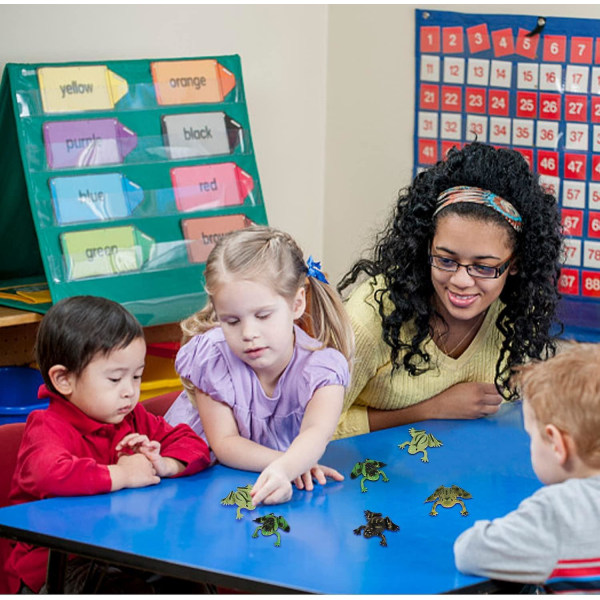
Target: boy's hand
<point>139,443</point>
<point>318,472</point>
<point>132,471</point>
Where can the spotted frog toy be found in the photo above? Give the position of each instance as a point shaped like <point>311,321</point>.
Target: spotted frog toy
<point>369,469</point>
<point>241,497</point>
<point>448,497</point>
<point>419,442</point>
<point>269,524</point>
<point>376,525</point>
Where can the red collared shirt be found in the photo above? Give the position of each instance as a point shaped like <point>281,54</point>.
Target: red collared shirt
<point>66,453</point>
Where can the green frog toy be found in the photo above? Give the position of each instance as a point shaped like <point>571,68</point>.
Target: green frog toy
<point>369,469</point>
<point>448,497</point>
<point>419,442</point>
<point>269,525</point>
<point>241,497</point>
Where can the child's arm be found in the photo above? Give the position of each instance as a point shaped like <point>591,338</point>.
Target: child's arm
<point>224,438</point>
<point>522,546</point>
<point>132,471</point>
<point>298,462</point>
<point>164,466</point>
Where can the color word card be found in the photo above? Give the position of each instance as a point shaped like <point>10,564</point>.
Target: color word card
<point>526,83</point>
<point>74,89</point>
<point>202,234</point>
<point>191,81</point>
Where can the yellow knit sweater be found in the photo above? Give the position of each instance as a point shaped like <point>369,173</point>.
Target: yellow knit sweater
<point>372,386</point>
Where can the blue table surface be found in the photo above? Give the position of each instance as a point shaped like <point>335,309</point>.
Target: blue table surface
<point>181,522</point>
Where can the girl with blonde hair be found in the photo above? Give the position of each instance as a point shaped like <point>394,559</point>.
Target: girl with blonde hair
<point>264,393</point>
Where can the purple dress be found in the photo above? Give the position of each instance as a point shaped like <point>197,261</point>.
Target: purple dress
<point>207,361</point>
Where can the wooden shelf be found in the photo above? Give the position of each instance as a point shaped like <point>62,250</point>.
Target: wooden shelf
<point>18,329</point>
<point>14,316</point>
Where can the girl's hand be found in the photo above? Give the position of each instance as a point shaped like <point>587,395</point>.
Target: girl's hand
<point>318,472</point>
<point>469,400</point>
<point>272,486</point>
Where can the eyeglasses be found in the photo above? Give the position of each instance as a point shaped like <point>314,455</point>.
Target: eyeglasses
<point>478,271</point>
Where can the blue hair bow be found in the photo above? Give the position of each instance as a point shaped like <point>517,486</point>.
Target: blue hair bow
<point>314,270</point>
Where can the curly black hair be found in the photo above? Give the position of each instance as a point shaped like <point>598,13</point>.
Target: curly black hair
<point>401,251</point>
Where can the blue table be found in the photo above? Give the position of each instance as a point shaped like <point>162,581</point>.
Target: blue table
<point>181,529</point>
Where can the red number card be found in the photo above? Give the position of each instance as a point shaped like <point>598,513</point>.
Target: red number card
<point>430,39</point>
<point>478,38</point>
<point>575,166</point>
<point>428,152</point>
<point>475,100</point>
<point>576,107</point>
<point>429,96</point>
<point>595,168</point>
<point>451,98</point>
<point>590,284</point>
<point>503,42</point>
<point>452,40</point>
<point>594,225</point>
<point>568,282</point>
<point>555,48</point>
<point>498,102</point>
<point>550,106</point>
<point>581,50</point>
<point>547,162</point>
<point>572,221</point>
<point>527,104</point>
<point>526,46</point>
<point>595,116</point>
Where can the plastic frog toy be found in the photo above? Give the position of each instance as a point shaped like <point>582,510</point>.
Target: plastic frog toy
<point>376,525</point>
<point>369,469</point>
<point>241,497</point>
<point>269,524</point>
<point>448,497</point>
<point>419,442</point>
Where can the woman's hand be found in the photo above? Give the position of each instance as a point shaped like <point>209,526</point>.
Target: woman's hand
<point>468,400</point>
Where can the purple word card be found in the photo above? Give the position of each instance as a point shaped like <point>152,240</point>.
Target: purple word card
<point>87,143</point>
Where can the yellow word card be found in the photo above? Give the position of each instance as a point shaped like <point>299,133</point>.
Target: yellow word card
<point>72,89</point>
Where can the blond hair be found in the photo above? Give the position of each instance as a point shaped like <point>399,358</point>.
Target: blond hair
<point>271,256</point>
<point>565,391</point>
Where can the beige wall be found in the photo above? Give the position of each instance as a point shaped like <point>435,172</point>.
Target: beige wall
<point>370,114</point>
<point>330,92</point>
<point>283,51</point>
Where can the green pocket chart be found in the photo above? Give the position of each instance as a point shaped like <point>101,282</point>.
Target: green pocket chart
<point>118,177</point>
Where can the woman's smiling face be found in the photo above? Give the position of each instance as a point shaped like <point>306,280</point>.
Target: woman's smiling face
<point>468,240</point>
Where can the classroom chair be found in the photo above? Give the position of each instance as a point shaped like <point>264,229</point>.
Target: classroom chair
<point>10,439</point>
<point>159,405</point>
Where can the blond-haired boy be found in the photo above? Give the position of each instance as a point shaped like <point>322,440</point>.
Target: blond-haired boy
<point>553,537</point>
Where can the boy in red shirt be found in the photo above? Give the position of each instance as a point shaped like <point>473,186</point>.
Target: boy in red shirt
<point>94,437</point>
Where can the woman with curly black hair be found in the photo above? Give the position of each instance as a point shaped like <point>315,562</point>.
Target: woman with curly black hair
<point>461,288</point>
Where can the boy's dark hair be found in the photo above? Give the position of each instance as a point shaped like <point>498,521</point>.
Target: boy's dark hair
<point>76,329</point>
<point>401,254</point>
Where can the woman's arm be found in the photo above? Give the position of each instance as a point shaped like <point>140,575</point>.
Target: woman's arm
<point>224,438</point>
<point>468,400</point>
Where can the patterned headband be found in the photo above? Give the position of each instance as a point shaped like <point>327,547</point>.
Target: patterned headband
<point>475,195</point>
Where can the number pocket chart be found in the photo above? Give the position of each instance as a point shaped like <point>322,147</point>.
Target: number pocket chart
<point>117,178</point>
<point>531,84</point>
